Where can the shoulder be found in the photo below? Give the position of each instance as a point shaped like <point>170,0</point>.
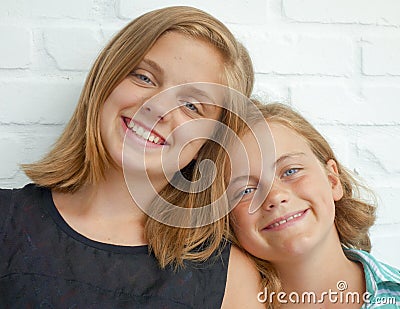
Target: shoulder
<point>382,280</point>
<point>19,195</point>
<point>6,206</point>
<point>12,201</point>
<point>5,196</point>
<point>382,272</point>
<point>243,282</point>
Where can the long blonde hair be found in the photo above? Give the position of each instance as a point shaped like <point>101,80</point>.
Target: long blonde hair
<point>175,244</point>
<point>78,156</point>
<point>353,216</point>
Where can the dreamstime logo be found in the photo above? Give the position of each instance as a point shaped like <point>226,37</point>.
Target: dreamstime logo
<point>340,296</point>
<point>176,139</point>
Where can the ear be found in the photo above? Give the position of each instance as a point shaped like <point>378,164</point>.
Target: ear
<point>333,177</point>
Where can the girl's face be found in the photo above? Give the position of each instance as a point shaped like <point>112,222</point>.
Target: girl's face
<point>167,130</point>
<point>296,212</point>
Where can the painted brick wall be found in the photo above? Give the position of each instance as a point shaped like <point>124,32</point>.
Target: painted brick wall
<point>336,61</point>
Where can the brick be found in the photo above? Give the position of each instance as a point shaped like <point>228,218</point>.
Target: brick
<point>73,48</point>
<point>18,181</point>
<point>47,8</point>
<point>313,101</point>
<point>13,8</point>
<point>380,56</point>
<point>35,101</point>
<point>383,103</point>
<point>16,45</point>
<point>370,105</point>
<point>340,138</point>
<point>384,242</point>
<point>300,54</point>
<point>380,147</point>
<point>341,11</point>
<point>267,90</point>
<point>235,11</point>
<point>10,156</point>
<point>70,8</point>
<point>24,147</point>
<point>388,210</point>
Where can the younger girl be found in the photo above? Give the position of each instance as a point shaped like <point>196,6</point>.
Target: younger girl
<point>304,226</point>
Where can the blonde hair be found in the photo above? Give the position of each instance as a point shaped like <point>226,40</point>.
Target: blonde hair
<point>353,216</point>
<point>78,156</point>
<point>175,244</point>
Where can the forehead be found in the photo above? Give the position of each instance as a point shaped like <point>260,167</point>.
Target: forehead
<point>258,151</point>
<point>252,151</point>
<point>187,59</point>
<point>287,140</point>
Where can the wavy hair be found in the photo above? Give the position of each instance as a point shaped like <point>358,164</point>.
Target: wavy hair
<point>353,215</point>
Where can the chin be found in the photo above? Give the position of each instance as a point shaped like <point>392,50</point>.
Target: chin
<point>297,247</point>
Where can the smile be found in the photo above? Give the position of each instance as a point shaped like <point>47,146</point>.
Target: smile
<point>144,133</point>
<point>284,220</point>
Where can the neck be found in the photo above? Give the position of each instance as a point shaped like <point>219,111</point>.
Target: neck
<point>320,270</point>
<point>106,211</point>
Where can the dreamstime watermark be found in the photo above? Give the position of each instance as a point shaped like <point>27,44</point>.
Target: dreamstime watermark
<point>341,296</point>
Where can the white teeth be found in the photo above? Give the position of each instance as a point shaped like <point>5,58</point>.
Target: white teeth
<point>285,220</point>
<point>146,135</point>
<point>140,131</point>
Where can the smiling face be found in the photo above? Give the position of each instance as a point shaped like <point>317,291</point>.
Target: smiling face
<point>171,124</point>
<point>295,215</point>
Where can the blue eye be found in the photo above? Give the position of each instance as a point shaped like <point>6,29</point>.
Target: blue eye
<point>191,106</point>
<point>247,191</point>
<point>290,172</point>
<point>143,78</point>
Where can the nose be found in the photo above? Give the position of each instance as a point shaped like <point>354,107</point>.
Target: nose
<point>160,107</point>
<point>277,196</point>
<point>154,112</point>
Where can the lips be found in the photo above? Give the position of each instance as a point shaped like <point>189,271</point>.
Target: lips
<point>285,219</point>
<point>144,132</point>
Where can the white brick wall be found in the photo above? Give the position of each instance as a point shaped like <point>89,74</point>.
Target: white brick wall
<point>336,61</point>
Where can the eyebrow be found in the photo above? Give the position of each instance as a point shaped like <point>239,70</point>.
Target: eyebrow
<point>207,102</point>
<point>247,178</point>
<point>196,91</point>
<point>154,65</point>
<point>288,156</point>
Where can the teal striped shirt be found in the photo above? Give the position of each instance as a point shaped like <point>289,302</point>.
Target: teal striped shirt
<point>382,281</point>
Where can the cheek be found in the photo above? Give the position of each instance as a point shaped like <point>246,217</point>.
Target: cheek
<point>242,222</point>
<point>187,143</point>
<point>124,96</point>
<point>247,237</point>
<point>189,152</point>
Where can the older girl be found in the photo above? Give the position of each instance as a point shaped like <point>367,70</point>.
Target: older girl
<point>76,237</point>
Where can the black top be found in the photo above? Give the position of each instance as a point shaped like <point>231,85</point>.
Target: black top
<point>44,263</point>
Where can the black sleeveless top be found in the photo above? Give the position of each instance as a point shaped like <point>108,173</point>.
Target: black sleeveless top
<point>44,263</point>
